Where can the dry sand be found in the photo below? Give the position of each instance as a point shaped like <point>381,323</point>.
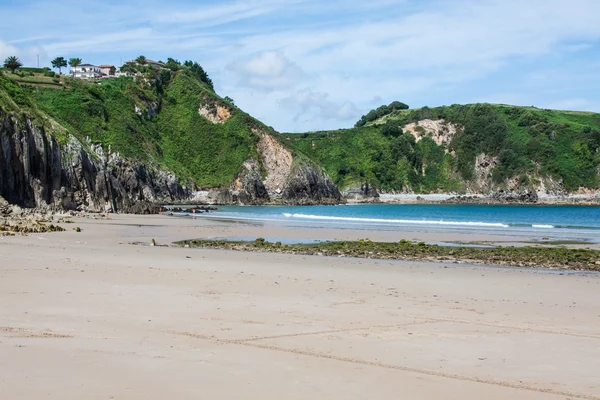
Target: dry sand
<point>90,316</point>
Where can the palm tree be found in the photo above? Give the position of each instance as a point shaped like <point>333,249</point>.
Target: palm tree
<point>12,63</point>
<point>59,62</point>
<point>74,63</point>
<point>141,60</point>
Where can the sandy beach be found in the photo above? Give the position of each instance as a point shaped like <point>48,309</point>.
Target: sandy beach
<point>100,314</point>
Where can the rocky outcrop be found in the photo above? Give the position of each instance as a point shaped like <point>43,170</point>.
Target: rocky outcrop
<point>308,184</point>
<point>247,188</point>
<point>277,161</point>
<point>290,179</point>
<point>35,171</point>
<point>366,193</point>
<point>525,196</point>
<point>213,111</point>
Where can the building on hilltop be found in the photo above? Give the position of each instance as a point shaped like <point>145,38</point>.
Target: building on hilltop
<point>86,71</point>
<point>108,70</point>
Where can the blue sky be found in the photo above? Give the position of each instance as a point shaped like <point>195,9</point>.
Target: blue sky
<point>303,65</point>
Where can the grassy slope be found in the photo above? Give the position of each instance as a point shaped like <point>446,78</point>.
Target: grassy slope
<point>178,138</point>
<point>528,141</point>
<point>192,146</point>
<point>17,101</point>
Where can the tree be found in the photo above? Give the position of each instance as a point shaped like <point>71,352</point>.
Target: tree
<point>74,63</point>
<point>199,72</point>
<point>129,67</point>
<point>391,128</point>
<point>173,64</point>
<point>12,63</point>
<point>229,100</point>
<point>141,60</point>
<point>397,105</point>
<point>59,62</point>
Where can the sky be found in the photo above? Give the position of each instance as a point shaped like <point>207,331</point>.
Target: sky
<point>305,65</point>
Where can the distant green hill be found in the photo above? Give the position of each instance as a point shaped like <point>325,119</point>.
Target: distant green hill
<point>475,147</point>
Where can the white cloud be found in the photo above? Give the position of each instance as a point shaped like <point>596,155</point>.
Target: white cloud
<point>7,50</point>
<point>269,70</point>
<point>28,56</point>
<point>306,100</point>
<point>223,13</point>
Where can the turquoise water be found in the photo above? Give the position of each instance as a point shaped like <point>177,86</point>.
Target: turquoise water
<point>559,222</point>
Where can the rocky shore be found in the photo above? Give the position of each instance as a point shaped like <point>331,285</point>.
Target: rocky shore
<point>517,198</point>
<point>15,220</point>
<point>533,257</point>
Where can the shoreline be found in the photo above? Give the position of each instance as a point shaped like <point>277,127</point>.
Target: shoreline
<point>475,199</point>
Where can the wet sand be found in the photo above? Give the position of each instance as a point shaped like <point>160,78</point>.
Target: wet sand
<point>89,315</point>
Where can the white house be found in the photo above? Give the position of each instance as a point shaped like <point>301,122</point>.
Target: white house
<point>87,71</point>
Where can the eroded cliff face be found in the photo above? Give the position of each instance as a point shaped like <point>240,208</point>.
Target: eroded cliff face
<point>281,180</point>
<point>35,171</point>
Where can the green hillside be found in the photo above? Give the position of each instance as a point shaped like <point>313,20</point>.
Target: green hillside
<point>526,143</point>
<point>152,118</point>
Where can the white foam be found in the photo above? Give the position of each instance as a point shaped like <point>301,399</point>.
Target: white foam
<point>397,221</point>
<point>543,226</point>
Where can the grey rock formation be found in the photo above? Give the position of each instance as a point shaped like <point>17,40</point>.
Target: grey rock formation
<point>247,187</point>
<point>35,171</point>
<point>366,193</point>
<point>308,184</point>
<point>523,196</point>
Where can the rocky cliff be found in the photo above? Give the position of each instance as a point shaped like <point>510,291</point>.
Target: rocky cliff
<point>37,171</point>
<point>283,179</point>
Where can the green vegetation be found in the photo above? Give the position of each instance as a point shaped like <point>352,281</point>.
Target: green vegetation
<point>528,143</point>
<point>141,60</point>
<point>59,62</point>
<point>390,161</point>
<point>380,112</point>
<point>12,63</point>
<point>537,257</point>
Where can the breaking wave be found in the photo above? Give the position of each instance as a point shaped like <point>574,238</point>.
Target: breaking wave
<point>396,221</point>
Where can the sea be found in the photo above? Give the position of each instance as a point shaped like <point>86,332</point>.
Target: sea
<point>574,223</point>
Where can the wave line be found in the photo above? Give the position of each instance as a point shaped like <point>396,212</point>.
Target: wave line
<point>396,221</point>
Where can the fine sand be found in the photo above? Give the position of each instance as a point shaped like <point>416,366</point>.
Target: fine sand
<point>90,315</point>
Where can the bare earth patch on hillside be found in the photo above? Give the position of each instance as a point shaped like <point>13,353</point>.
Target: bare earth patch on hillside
<point>440,131</point>
<point>215,113</point>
